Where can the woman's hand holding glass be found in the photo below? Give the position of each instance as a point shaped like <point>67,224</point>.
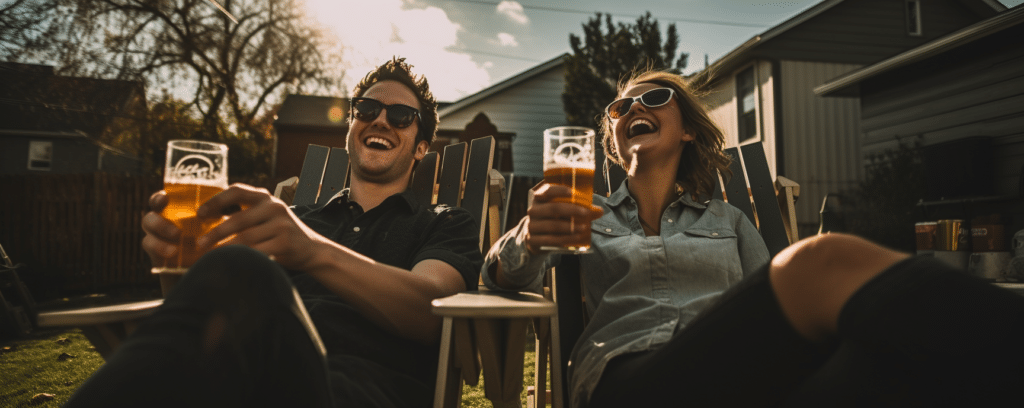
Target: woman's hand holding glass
<point>550,223</point>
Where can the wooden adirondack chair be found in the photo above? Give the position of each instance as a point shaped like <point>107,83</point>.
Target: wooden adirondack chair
<point>466,182</point>
<point>558,333</point>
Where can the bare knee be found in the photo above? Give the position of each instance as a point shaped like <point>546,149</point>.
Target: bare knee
<point>814,278</point>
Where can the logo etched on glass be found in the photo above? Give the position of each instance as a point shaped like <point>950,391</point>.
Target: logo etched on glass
<point>194,167</point>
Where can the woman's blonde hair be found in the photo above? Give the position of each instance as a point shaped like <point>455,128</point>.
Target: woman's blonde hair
<point>700,164</point>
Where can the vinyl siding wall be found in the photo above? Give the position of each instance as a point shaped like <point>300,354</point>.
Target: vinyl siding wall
<point>821,146</point>
<point>866,31</point>
<point>525,109</point>
<point>977,90</point>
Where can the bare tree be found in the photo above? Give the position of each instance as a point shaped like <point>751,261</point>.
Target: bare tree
<point>229,69</point>
<point>24,27</point>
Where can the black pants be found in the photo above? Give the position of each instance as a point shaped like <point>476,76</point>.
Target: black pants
<point>919,334</point>
<point>227,335</point>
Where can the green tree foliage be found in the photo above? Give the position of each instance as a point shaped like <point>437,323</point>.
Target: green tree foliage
<point>607,53</point>
<point>169,119</point>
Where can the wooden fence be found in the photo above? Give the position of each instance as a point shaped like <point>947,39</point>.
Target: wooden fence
<point>77,233</point>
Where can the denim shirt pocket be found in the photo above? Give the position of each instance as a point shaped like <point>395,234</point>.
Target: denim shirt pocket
<point>718,249</point>
<point>611,256</point>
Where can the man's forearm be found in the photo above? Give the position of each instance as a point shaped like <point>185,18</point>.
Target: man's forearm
<point>396,299</point>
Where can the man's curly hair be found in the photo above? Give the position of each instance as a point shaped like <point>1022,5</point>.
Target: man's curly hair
<point>400,71</point>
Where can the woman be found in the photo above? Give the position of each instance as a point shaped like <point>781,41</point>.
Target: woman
<point>832,320</point>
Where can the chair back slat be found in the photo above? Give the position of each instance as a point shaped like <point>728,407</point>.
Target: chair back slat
<point>311,175</point>
<point>423,179</point>
<point>717,192</point>
<point>452,171</point>
<point>475,192</point>
<point>335,175</point>
<point>736,189</point>
<point>762,189</point>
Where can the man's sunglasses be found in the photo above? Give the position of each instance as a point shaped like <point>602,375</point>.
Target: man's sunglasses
<point>651,99</point>
<point>399,116</point>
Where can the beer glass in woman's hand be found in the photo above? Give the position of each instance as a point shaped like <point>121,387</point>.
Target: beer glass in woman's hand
<point>569,161</point>
<point>195,172</point>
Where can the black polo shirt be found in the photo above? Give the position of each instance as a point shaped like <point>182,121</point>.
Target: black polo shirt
<point>400,232</point>
<point>367,362</point>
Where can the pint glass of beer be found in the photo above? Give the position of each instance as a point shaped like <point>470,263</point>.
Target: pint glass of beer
<point>569,161</point>
<point>195,171</point>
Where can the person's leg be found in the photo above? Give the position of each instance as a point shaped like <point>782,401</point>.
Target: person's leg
<point>918,333</point>
<point>739,352</point>
<point>227,335</point>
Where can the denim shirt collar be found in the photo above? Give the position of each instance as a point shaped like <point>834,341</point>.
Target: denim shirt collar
<point>622,193</point>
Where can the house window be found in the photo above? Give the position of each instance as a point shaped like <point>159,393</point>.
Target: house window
<point>913,17</point>
<point>746,105</point>
<point>40,155</point>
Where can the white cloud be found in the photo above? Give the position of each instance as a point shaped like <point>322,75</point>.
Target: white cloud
<point>514,11</point>
<point>372,32</point>
<point>507,40</point>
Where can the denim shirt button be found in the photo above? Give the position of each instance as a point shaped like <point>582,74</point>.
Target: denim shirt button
<point>607,230</point>
<point>356,229</point>
<point>670,220</point>
<point>714,234</point>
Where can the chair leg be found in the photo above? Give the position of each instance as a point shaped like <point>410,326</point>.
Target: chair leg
<point>542,345</point>
<point>448,389</point>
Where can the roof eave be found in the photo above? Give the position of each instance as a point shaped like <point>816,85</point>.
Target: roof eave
<point>849,84</point>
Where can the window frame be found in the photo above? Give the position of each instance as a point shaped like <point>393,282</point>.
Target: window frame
<point>912,15</point>
<point>37,157</point>
<point>750,131</point>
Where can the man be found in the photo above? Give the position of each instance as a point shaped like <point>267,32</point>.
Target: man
<point>365,266</point>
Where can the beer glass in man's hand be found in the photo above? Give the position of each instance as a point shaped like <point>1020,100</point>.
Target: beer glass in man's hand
<point>195,172</point>
<point>569,161</point>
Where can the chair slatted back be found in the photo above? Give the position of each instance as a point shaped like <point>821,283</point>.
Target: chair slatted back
<point>475,197</point>
<point>453,167</point>
<point>312,173</point>
<point>423,178</point>
<point>335,175</point>
<point>762,189</point>
<point>736,189</point>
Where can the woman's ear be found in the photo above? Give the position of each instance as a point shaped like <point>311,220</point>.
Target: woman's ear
<point>687,135</point>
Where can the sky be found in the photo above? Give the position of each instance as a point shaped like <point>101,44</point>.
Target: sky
<point>464,46</point>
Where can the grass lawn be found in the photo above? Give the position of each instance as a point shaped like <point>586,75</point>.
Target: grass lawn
<point>53,362</point>
<point>56,362</point>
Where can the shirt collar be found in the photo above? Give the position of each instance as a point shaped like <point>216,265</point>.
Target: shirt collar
<point>406,197</point>
<point>622,193</point>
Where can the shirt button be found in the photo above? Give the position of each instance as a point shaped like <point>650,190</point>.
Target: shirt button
<point>356,229</point>
<point>670,220</point>
<point>607,230</point>
<point>714,234</point>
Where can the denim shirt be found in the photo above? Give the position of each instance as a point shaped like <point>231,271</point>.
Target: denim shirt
<point>641,290</point>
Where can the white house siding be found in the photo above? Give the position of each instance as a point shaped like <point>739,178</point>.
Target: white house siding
<point>525,109</point>
<point>820,137</point>
<point>721,105</point>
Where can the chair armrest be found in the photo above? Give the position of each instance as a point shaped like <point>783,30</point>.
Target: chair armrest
<point>285,190</point>
<point>99,315</point>
<point>493,305</point>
